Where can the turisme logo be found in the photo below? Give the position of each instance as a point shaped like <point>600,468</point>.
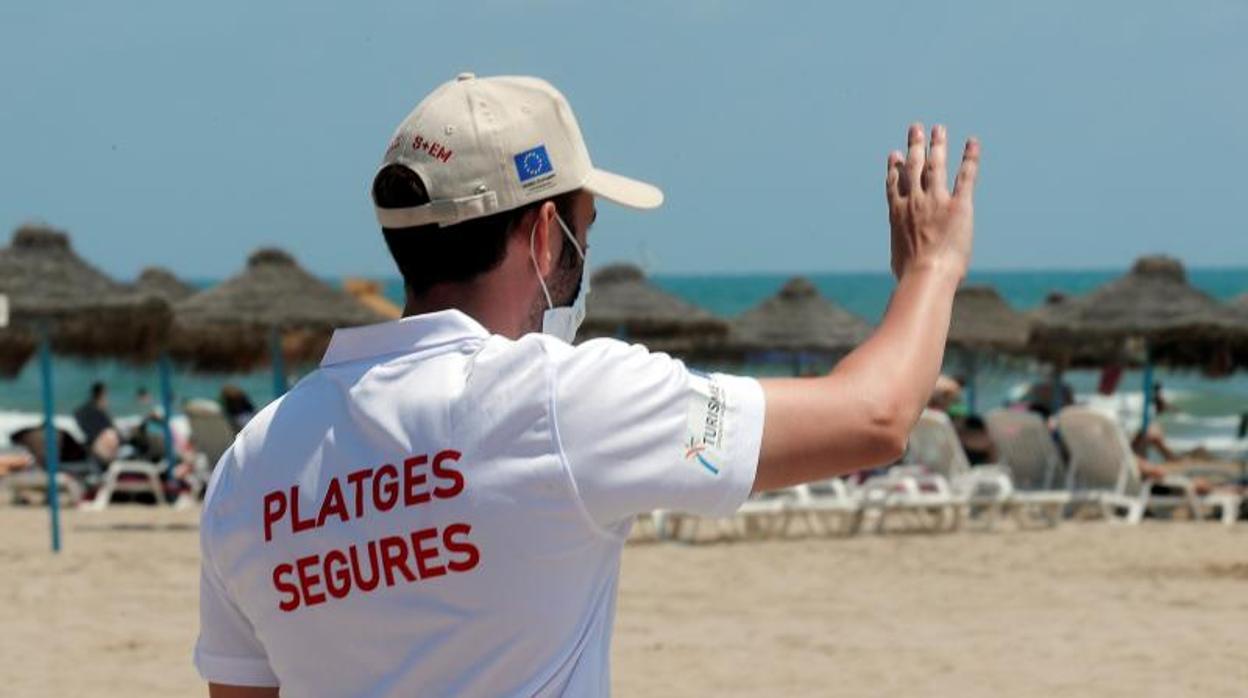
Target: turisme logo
<point>705,422</point>
<point>695,450</point>
<point>533,163</point>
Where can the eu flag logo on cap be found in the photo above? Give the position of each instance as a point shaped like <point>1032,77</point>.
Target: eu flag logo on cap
<point>533,163</point>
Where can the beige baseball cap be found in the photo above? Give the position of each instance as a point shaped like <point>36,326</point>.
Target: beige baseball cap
<point>485,145</point>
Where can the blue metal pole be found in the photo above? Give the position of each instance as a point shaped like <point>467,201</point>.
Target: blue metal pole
<point>279,367</point>
<point>1148,392</point>
<point>971,368</point>
<point>166,402</point>
<point>1056,398</point>
<point>50,437</point>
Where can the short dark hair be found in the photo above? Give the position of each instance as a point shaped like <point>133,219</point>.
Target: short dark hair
<point>429,255</point>
<point>98,389</point>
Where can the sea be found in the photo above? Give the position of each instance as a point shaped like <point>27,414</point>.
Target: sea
<point>1205,411</point>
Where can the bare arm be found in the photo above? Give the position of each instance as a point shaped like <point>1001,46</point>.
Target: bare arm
<point>860,414</point>
<point>216,690</point>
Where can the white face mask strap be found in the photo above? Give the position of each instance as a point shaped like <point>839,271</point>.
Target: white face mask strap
<point>571,238</point>
<point>533,254</point>
<point>536,268</point>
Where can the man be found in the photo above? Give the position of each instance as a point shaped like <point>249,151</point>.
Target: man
<point>100,435</point>
<point>441,508</point>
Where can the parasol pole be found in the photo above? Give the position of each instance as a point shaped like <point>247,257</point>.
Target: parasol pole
<point>166,402</point>
<point>50,435</point>
<point>971,368</point>
<point>1055,391</point>
<point>1148,390</point>
<point>279,364</point>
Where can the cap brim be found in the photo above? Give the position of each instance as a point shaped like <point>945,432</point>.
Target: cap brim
<point>623,190</point>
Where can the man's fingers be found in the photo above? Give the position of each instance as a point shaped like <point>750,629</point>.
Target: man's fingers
<point>915,159</point>
<point>892,179</point>
<point>964,187</point>
<point>935,178</point>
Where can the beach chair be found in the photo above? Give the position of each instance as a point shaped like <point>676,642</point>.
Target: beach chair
<point>1101,461</point>
<point>923,497</point>
<point>762,515</point>
<point>1030,454</point>
<point>934,445</point>
<point>765,514</point>
<point>211,435</point>
<point>211,431</point>
<point>829,506</point>
<point>75,475</point>
<point>129,477</point>
<point>31,485</point>
<point>1027,449</point>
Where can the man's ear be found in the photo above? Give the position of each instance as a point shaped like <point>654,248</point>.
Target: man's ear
<point>540,227</point>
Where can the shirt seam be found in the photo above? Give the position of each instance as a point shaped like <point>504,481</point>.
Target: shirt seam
<point>557,442</point>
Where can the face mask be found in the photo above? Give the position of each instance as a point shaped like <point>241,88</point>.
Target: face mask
<point>564,321</point>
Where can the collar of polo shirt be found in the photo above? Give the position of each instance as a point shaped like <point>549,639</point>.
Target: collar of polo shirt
<point>426,332</point>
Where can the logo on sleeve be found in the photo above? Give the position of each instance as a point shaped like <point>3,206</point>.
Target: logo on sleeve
<point>534,169</point>
<point>704,440</point>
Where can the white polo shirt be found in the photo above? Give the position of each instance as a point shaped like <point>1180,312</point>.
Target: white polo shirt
<point>440,511</point>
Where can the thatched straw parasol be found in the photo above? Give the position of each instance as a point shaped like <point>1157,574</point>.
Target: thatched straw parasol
<point>86,313</point>
<point>1239,304</point>
<point>1153,303</point>
<point>369,293</point>
<point>1152,307</point>
<point>1239,349</point>
<point>161,283</point>
<point>982,322</point>
<point>59,302</point>
<point>623,304</point>
<point>798,321</point>
<point>239,324</point>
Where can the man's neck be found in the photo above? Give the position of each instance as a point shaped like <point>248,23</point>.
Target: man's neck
<point>498,318</point>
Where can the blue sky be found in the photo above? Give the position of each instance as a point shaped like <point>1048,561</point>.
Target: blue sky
<point>188,134</point>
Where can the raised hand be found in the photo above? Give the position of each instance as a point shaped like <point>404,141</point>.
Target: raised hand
<point>930,226</point>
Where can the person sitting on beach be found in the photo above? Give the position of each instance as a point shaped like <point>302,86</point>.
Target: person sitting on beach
<point>441,508</point>
<point>1041,400</point>
<point>11,462</point>
<point>237,406</point>
<point>148,436</point>
<point>98,430</point>
<point>1154,437</point>
<point>947,397</point>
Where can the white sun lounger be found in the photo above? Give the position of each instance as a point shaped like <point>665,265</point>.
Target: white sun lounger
<point>762,515</point>
<point>128,476</point>
<point>24,484</point>
<point>934,445</point>
<point>1101,461</point>
<point>829,506</point>
<point>1028,451</point>
<point>922,496</point>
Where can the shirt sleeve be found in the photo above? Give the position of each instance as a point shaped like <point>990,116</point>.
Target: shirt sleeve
<point>228,651</point>
<point>639,431</point>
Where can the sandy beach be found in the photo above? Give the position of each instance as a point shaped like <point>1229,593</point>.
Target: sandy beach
<point>1087,609</point>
